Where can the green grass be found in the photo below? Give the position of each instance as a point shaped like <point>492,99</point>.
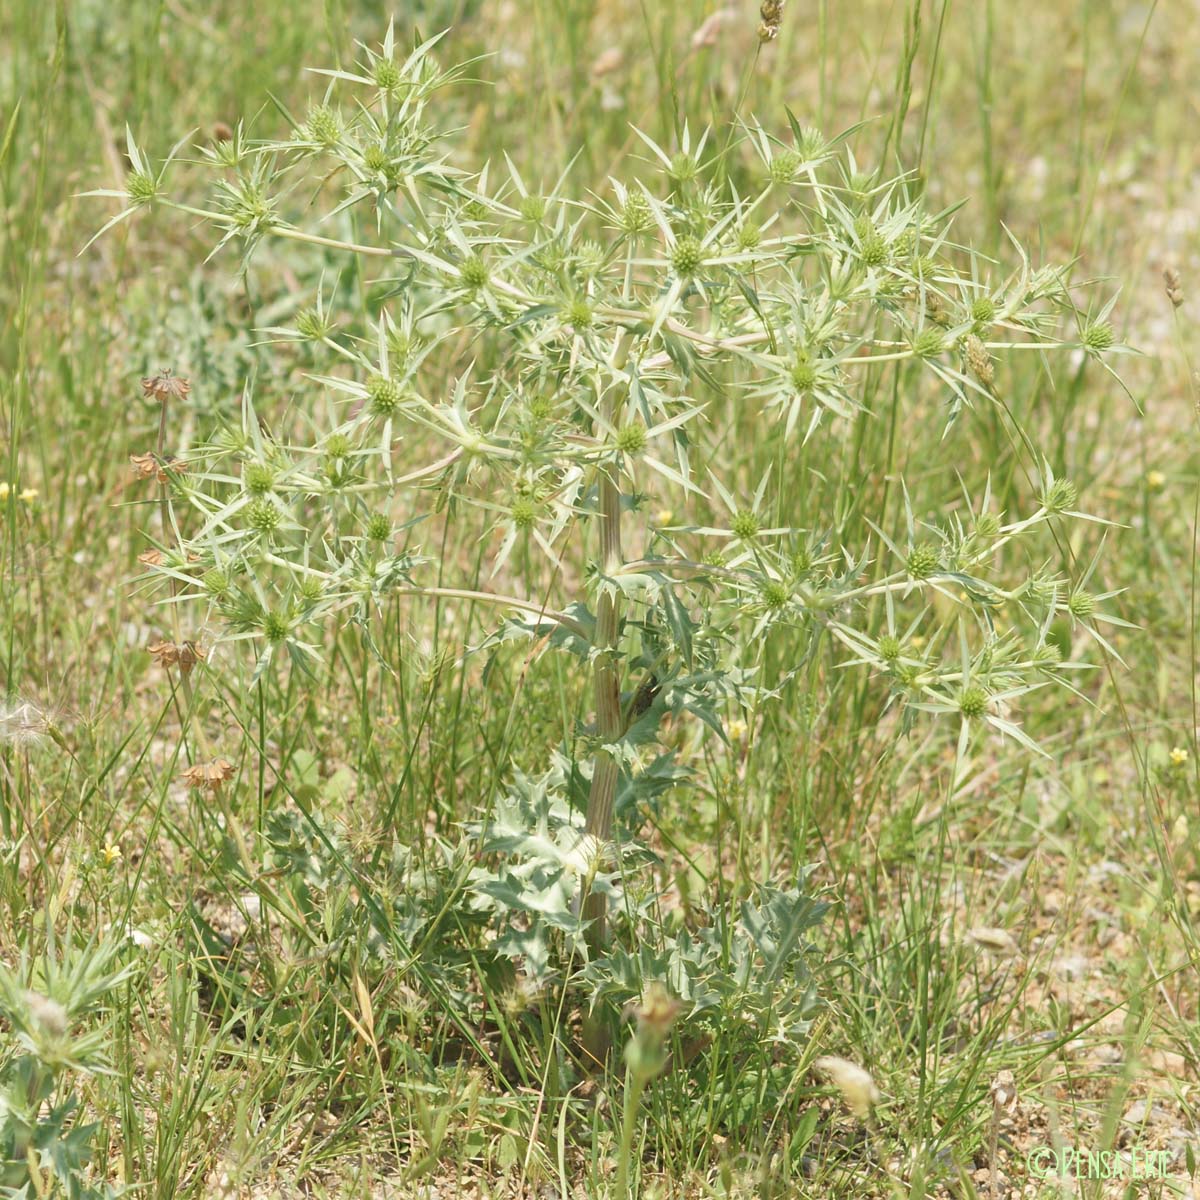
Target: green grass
<point>263,1060</point>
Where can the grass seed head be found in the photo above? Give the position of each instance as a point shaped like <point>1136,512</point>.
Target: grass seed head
<point>771,17</point>
<point>855,1084</point>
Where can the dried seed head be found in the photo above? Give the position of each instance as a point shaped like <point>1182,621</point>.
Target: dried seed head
<point>980,361</point>
<point>520,997</point>
<point>856,1085</point>
<point>22,724</point>
<point>151,558</point>
<point>1173,285</point>
<point>185,655</point>
<point>1004,1091</point>
<point>208,777</point>
<point>190,653</point>
<point>153,466</point>
<point>771,13</point>
<point>166,654</point>
<point>165,386</point>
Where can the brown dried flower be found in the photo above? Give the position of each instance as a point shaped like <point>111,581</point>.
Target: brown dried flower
<point>151,558</point>
<point>208,777</point>
<point>165,386</point>
<point>151,466</point>
<point>190,653</point>
<point>166,654</point>
<point>185,655</point>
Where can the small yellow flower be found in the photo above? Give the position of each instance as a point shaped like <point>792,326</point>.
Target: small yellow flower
<point>737,731</point>
<point>664,516</point>
<point>1156,481</point>
<point>28,495</point>
<point>1178,756</point>
<point>111,854</point>
<point>4,490</point>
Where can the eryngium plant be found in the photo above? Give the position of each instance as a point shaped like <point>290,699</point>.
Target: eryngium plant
<point>589,337</point>
<point>44,1148</point>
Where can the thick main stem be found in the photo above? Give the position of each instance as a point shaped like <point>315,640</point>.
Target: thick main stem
<point>608,696</point>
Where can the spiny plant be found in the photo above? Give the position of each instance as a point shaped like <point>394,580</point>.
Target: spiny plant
<point>44,1148</point>
<point>593,343</point>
